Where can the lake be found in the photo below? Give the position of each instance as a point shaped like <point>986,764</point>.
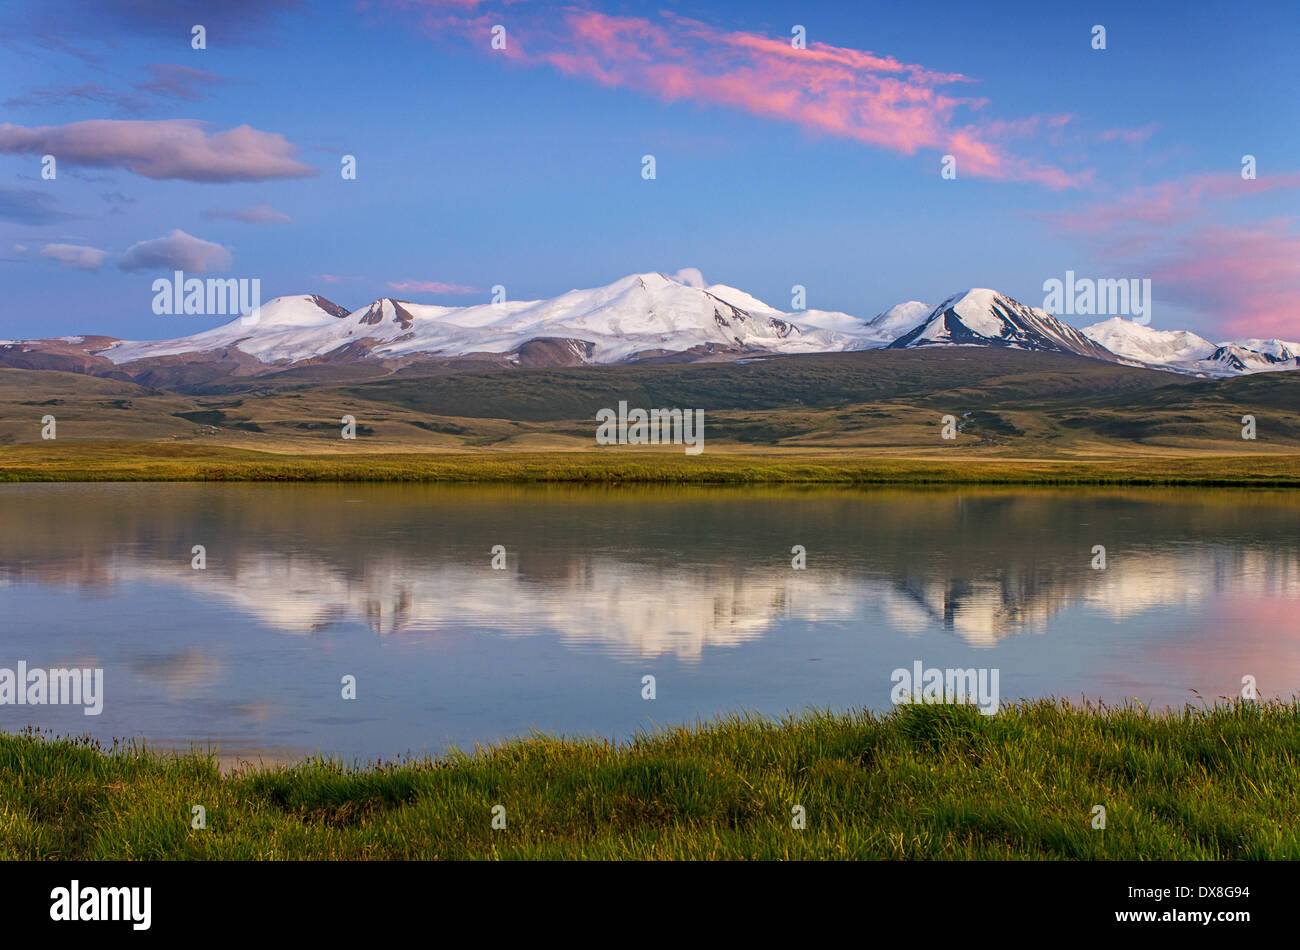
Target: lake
<point>394,585</point>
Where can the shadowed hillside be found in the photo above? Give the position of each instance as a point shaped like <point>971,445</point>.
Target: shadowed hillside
<point>1008,403</point>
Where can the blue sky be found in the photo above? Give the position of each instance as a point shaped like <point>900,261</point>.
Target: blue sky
<point>478,167</point>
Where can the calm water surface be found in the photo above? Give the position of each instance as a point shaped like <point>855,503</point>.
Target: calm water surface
<point>305,584</point>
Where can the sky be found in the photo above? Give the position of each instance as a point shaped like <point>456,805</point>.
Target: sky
<point>523,166</point>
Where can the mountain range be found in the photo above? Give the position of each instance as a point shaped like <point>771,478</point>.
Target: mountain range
<point>641,318</point>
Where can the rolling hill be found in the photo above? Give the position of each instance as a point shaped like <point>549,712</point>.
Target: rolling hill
<point>1010,403</point>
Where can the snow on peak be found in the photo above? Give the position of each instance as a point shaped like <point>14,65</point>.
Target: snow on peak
<point>1278,349</point>
<point>1243,359</point>
<point>901,317</point>
<point>983,317</point>
<point>295,314</point>
<point>1185,351</point>
<point>649,314</point>
<point>299,310</point>
<point>1135,341</point>
<point>738,298</point>
<point>976,309</point>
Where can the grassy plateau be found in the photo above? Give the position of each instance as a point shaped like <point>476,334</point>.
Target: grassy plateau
<point>773,419</point>
<point>921,782</point>
<point>154,461</point>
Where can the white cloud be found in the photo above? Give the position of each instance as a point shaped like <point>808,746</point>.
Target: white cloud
<point>176,251</point>
<point>690,276</point>
<point>77,256</point>
<point>263,215</point>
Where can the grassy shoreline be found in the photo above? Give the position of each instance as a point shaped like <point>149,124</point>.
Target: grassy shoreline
<point>147,461</point>
<point>920,782</point>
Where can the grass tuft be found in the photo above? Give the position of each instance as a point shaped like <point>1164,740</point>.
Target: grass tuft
<point>921,782</point>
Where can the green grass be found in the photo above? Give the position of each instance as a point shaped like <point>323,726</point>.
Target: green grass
<point>150,461</point>
<point>922,782</point>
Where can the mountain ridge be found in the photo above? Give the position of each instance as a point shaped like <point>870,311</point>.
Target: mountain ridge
<point>639,318</point>
<point>983,317</point>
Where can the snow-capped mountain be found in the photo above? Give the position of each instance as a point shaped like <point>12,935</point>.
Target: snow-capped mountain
<point>1280,350</point>
<point>900,318</point>
<point>982,317</point>
<point>641,317</point>
<point>1186,352</point>
<point>304,317</point>
<point>1148,345</point>
<point>1236,358</point>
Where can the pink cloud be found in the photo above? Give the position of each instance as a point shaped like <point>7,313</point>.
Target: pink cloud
<point>77,256</point>
<point>334,278</point>
<point>430,287</point>
<point>1190,237</point>
<point>170,148</point>
<point>1249,275</point>
<point>262,215</point>
<point>1170,202</point>
<point>1129,136</point>
<point>847,93</point>
<point>180,82</point>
